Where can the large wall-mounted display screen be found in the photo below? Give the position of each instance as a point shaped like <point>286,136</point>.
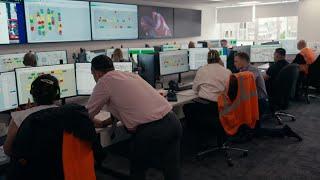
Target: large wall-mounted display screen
<point>114,21</point>
<point>155,22</point>
<point>57,20</point>
<point>187,23</point>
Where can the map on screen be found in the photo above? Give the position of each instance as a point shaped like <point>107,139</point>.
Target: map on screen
<point>64,73</point>
<point>114,21</point>
<point>51,58</point>
<point>263,53</point>
<point>8,62</point>
<point>173,62</point>
<point>57,20</point>
<point>8,91</point>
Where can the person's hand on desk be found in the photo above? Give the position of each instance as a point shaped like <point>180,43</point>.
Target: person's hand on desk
<point>102,123</point>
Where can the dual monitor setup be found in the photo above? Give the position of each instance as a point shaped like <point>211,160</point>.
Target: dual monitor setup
<point>43,21</point>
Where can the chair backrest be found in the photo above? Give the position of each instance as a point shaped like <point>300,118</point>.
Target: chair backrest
<point>314,74</point>
<point>285,84</point>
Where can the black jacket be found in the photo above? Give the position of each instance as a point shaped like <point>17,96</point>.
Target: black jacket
<point>37,148</point>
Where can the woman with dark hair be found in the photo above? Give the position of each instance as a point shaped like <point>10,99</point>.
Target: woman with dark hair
<point>44,90</point>
<point>30,59</point>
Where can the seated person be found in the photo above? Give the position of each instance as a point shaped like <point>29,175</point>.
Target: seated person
<point>117,56</point>
<point>210,81</point>
<point>274,69</point>
<point>144,112</point>
<point>242,62</point>
<point>30,59</point>
<point>191,45</point>
<point>44,90</point>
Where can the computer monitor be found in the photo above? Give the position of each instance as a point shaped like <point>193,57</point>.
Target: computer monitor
<point>290,46</point>
<point>57,20</point>
<point>263,53</point>
<point>187,23</point>
<point>147,64</point>
<point>95,53</point>
<point>8,91</point>
<point>123,66</point>
<point>84,79</point>
<point>8,62</point>
<point>51,58</point>
<point>198,57</point>
<point>170,47</point>
<point>134,52</point>
<point>64,73</point>
<point>114,21</point>
<point>12,22</point>
<point>173,62</point>
<point>220,50</point>
<point>245,49</point>
<point>125,52</point>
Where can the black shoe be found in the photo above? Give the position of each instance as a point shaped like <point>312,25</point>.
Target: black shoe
<point>290,133</point>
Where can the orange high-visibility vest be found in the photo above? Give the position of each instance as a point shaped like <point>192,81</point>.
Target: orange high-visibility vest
<point>309,56</point>
<point>78,160</point>
<point>244,109</point>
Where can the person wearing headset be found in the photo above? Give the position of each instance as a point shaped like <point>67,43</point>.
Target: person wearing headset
<point>44,90</point>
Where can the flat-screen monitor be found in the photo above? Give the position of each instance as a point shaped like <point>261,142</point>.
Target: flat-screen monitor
<point>12,22</point>
<point>8,62</point>
<point>198,57</point>
<point>64,73</point>
<point>155,22</point>
<point>125,53</point>
<point>263,53</point>
<point>84,79</point>
<point>147,64</point>
<point>170,47</point>
<point>187,23</point>
<point>290,46</point>
<point>57,20</point>
<point>51,58</point>
<point>8,91</point>
<point>94,53</point>
<point>134,52</point>
<point>123,66</point>
<point>244,49</point>
<point>114,21</point>
<point>173,62</point>
<point>220,50</point>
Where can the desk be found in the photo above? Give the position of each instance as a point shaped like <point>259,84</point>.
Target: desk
<point>121,133</point>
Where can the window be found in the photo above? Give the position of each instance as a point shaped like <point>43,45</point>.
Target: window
<point>261,29</point>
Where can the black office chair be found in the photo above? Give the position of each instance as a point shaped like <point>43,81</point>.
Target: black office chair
<point>223,140</point>
<point>313,81</point>
<point>284,89</point>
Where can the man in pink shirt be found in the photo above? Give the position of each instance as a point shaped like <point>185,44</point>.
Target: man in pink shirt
<point>144,112</point>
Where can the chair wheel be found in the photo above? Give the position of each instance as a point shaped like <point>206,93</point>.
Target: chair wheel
<point>230,163</point>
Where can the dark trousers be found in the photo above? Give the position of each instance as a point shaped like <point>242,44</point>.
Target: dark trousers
<point>157,145</point>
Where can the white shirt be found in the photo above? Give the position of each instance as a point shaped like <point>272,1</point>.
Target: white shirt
<point>211,80</point>
<point>19,116</point>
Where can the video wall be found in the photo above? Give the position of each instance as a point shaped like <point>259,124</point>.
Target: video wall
<point>42,21</point>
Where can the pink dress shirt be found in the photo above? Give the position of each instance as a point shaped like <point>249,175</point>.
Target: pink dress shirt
<point>128,98</point>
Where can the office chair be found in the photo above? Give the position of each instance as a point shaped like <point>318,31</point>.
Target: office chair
<point>239,96</point>
<point>312,81</point>
<point>284,88</point>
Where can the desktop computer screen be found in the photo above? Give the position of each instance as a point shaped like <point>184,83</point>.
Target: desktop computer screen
<point>57,20</point>
<point>84,79</point>
<point>12,22</point>
<point>173,62</point>
<point>51,58</point>
<point>263,53</point>
<point>290,46</point>
<point>220,50</point>
<point>123,66</point>
<point>134,52</point>
<point>125,53</point>
<point>114,21</point>
<point>64,73</point>
<point>170,47</point>
<point>198,57</point>
<point>147,64</point>
<point>155,22</point>
<point>95,53</point>
<point>8,91</point>
<point>8,62</point>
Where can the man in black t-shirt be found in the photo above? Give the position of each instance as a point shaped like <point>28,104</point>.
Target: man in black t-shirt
<point>274,70</point>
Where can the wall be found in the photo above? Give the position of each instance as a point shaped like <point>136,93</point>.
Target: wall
<point>208,16</point>
<point>309,27</point>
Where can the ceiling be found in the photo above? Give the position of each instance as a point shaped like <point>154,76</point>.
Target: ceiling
<point>213,2</point>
